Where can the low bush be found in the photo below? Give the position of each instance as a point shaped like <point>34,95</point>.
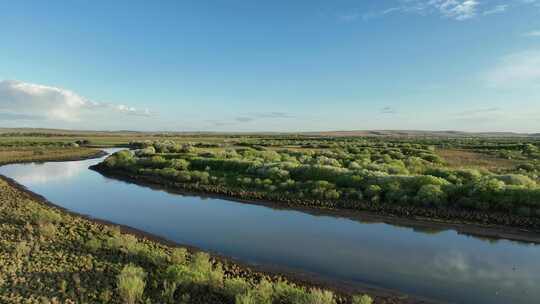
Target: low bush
<point>131,283</point>
<point>178,255</point>
<point>246,298</point>
<point>236,286</point>
<point>94,244</point>
<point>362,299</point>
<point>318,296</point>
<point>47,231</point>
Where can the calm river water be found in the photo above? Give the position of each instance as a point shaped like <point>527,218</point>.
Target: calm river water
<point>444,266</point>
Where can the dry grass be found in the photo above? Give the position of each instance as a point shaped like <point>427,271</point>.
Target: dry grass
<point>456,158</point>
<point>9,155</point>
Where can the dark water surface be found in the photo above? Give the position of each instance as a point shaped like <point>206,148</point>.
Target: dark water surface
<point>445,266</point>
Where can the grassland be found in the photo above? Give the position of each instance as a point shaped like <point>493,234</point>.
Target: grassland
<point>27,154</point>
<point>48,255</point>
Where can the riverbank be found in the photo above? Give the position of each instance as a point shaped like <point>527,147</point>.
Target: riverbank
<point>484,225</point>
<point>46,263</point>
<point>33,154</point>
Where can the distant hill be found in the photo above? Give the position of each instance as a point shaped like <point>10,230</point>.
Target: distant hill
<point>352,133</point>
<point>419,133</point>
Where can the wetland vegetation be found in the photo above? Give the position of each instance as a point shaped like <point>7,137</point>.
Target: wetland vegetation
<point>49,255</point>
<point>450,179</point>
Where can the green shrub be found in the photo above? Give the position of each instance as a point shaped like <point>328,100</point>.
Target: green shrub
<point>122,159</point>
<point>289,293</point>
<point>178,255</point>
<point>201,262</point>
<point>179,274</point>
<point>105,296</point>
<point>22,249</point>
<point>153,255</point>
<point>131,283</point>
<point>235,286</point>
<point>169,288</point>
<point>180,164</point>
<point>126,243</point>
<point>199,272</point>
<point>245,298</point>
<point>516,180</point>
<point>373,190</point>
<point>264,292</point>
<point>318,296</point>
<point>48,230</point>
<point>431,195</point>
<point>148,151</point>
<point>362,299</point>
<point>44,216</point>
<point>94,244</point>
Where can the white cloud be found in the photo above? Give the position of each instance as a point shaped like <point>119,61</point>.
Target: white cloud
<point>518,70</point>
<point>40,101</point>
<point>450,9</point>
<point>454,9</point>
<point>131,110</point>
<point>459,10</point>
<point>27,101</point>
<point>532,34</point>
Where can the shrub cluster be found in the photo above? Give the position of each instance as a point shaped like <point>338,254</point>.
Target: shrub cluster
<point>348,171</point>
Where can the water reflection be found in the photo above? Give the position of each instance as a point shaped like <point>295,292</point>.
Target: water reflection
<point>42,173</point>
<point>436,263</point>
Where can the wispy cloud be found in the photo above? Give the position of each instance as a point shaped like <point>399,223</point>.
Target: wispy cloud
<point>459,10</point>
<point>27,101</point>
<point>250,118</point>
<point>5,116</point>
<point>532,34</point>
<point>484,116</point>
<point>479,111</point>
<point>378,14</point>
<point>498,9</point>
<point>218,123</point>
<point>273,115</point>
<point>518,70</point>
<point>388,110</point>
<point>451,9</point>
<point>244,119</point>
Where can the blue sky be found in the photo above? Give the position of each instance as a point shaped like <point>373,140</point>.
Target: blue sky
<point>239,65</point>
